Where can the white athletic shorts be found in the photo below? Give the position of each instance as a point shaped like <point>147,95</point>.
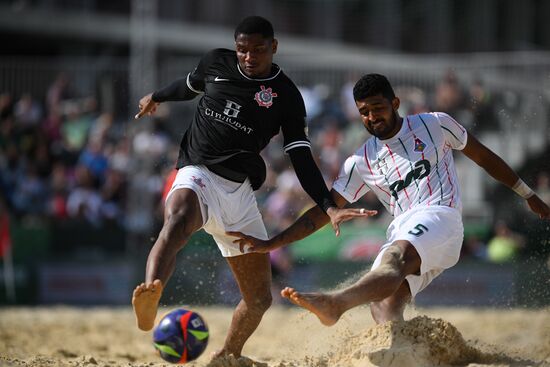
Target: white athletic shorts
<point>225,206</point>
<point>436,232</point>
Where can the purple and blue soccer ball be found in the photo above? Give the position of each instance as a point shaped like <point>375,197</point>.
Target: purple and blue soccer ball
<point>180,336</point>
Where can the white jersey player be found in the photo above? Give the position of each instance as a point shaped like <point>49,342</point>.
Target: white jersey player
<point>412,168</point>
<point>408,164</point>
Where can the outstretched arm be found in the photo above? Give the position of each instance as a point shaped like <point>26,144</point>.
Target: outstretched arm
<point>313,183</point>
<point>178,90</point>
<point>501,171</point>
<point>307,224</point>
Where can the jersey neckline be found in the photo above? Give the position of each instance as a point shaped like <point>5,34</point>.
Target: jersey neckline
<point>260,79</point>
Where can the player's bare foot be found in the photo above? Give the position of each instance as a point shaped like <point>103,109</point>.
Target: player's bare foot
<point>322,305</point>
<point>224,359</point>
<point>224,353</point>
<point>145,301</point>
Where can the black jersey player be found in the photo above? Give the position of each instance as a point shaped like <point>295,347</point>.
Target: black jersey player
<point>246,99</point>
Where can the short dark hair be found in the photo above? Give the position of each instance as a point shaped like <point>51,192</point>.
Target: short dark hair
<point>371,85</point>
<point>255,25</point>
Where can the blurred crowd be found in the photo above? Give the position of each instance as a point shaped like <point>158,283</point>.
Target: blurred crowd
<point>63,158</point>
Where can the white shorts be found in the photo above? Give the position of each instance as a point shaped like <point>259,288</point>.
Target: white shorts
<point>436,232</point>
<point>225,206</point>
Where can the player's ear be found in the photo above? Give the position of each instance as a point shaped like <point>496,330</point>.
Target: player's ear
<point>395,103</point>
<point>274,45</point>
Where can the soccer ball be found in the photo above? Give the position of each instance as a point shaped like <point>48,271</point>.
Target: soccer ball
<point>181,336</point>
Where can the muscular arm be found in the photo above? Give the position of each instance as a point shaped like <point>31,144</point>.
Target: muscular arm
<point>490,162</point>
<point>176,91</point>
<point>308,223</point>
<point>501,171</point>
<point>310,177</point>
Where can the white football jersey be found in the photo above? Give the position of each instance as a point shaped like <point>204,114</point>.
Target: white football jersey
<point>414,167</point>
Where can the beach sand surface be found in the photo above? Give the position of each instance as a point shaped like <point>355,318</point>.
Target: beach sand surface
<point>287,337</point>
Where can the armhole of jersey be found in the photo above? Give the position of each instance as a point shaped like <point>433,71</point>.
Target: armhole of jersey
<point>191,87</point>
<point>462,146</point>
<point>342,187</point>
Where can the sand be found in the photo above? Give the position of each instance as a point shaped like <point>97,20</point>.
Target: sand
<point>287,337</point>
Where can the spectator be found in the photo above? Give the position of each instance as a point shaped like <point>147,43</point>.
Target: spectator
<point>413,100</point>
<point>330,140</point>
<point>51,127</point>
<point>93,158</point>
<point>153,144</point>
<point>346,99</point>
<point>11,169</point>
<point>482,108</point>
<point>75,129</point>
<point>113,196</point>
<point>59,189</point>
<point>6,106</point>
<point>58,91</point>
<point>30,191</point>
<point>84,201</point>
<point>475,248</point>
<point>505,245</point>
<point>103,129</point>
<point>449,96</point>
<point>312,101</point>
<point>119,156</point>
<point>27,112</point>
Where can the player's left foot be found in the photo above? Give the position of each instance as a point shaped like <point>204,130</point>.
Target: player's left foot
<point>145,300</point>
<point>322,305</point>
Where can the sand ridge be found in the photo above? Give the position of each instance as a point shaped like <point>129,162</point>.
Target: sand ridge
<point>422,341</point>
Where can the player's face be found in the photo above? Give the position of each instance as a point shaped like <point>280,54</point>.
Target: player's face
<point>255,54</point>
<point>380,116</point>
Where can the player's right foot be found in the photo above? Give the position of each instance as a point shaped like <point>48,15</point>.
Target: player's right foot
<point>223,354</point>
<point>145,300</point>
<point>322,305</point>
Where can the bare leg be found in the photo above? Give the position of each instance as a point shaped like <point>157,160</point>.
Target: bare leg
<point>399,260</point>
<point>253,275</point>
<point>182,217</point>
<point>392,307</point>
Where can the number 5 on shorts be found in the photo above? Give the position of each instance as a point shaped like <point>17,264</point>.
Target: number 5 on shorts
<point>419,230</point>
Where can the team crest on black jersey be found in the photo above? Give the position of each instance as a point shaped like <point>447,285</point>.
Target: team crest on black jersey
<point>265,97</point>
<point>419,145</point>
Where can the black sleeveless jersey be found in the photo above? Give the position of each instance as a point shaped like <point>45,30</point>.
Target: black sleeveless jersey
<point>237,116</point>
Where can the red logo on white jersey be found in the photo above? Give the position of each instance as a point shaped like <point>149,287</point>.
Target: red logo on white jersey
<point>198,181</point>
<point>265,97</point>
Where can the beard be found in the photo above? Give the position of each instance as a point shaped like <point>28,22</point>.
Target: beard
<point>386,127</point>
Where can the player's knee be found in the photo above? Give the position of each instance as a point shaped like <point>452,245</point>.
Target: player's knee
<point>402,259</point>
<point>392,264</point>
<point>261,303</point>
